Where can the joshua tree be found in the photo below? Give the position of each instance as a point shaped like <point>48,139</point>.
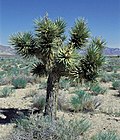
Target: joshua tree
<point>60,56</point>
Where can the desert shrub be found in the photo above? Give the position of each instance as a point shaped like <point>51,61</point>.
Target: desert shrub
<point>116,84</point>
<point>108,68</point>
<point>64,83</point>
<point>31,93</point>
<point>116,76</point>
<point>5,81</point>
<point>96,89</point>
<point>83,101</point>
<point>13,71</point>
<point>111,112</point>
<point>43,85</point>
<point>2,73</point>
<point>19,82</point>
<point>26,71</point>
<point>115,70</point>
<point>108,135</point>
<point>39,102</point>
<point>106,78</point>
<point>6,91</point>
<point>31,79</point>
<point>88,85</point>
<point>41,128</point>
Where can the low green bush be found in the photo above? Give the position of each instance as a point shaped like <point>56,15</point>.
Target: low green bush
<point>116,84</point>
<point>39,102</point>
<point>107,135</point>
<point>5,81</point>
<point>109,68</point>
<point>6,91</point>
<point>115,70</point>
<point>19,82</point>
<point>2,74</point>
<point>41,128</point>
<point>88,85</point>
<point>106,78</point>
<point>96,89</point>
<point>43,85</point>
<point>64,83</point>
<point>116,76</point>
<point>83,101</point>
<point>31,93</point>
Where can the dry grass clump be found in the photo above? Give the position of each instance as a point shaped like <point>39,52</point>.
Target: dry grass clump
<point>41,128</point>
<point>107,135</point>
<point>6,91</point>
<point>83,101</point>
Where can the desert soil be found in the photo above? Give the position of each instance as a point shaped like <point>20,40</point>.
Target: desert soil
<point>99,120</point>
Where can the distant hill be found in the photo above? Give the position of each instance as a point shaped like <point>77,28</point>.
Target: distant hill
<point>112,51</point>
<point>7,50</point>
<point>107,51</point>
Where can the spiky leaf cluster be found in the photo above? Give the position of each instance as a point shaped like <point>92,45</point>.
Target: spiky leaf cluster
<point>39,69</point>
<point>24,44</point>
<point>91,62</point>
<point>79,34</point>
<point>67,56</point>
<point>49,36</point>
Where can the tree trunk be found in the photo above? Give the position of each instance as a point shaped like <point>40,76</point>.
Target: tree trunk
<point>51,97</point>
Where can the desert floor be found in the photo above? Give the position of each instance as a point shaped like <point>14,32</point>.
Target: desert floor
<point>105,117</point>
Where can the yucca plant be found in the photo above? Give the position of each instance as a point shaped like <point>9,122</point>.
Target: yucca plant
<point>39,102</point>
<point>116,84</point>
<point>107,135</point>
<point>64,84</point>
<point>82,101</point>
<point>59,57</point>
<point>19,82</point>
<point>97,89</point>
<point>6,91</point>
<point>106,78</point>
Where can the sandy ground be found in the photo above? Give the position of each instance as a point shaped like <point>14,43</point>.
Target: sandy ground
<point>99,120</point>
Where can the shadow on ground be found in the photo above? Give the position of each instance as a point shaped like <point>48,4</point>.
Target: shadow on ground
<point>11,114</point>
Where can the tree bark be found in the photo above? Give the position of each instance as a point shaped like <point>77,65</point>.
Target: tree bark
<point>52,92</point>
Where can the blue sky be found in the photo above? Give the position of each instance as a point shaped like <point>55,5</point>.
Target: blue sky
<point>103,16</point>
